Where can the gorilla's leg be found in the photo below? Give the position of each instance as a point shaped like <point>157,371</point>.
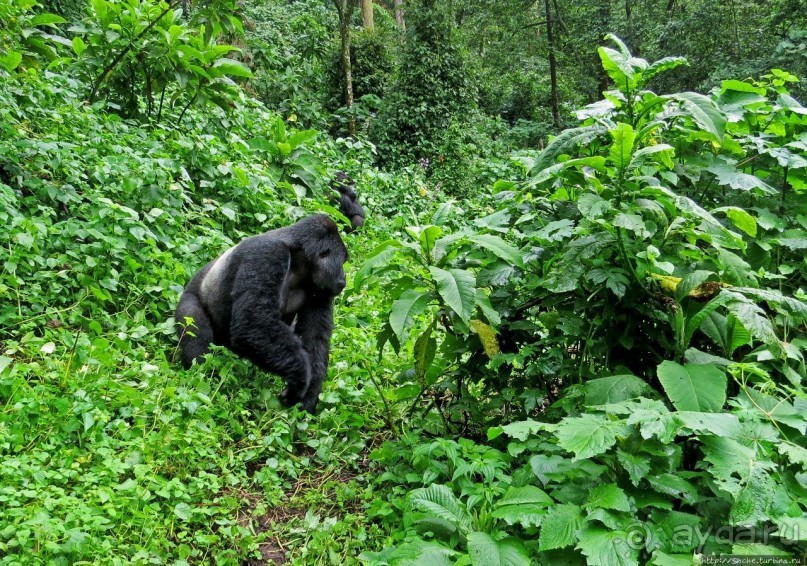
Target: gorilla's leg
<point>314,326</point>
<point>196,337</point>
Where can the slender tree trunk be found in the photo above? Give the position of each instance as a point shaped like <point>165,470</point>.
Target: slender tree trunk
<point>345,10</point>
<point>553,65</point>
<point>367,14</point>
<point>629,36</point>
<point>399,15</point>
<point>604,18</point>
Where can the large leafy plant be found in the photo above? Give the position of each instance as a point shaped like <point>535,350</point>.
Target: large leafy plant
<point>438,303</point>
<point>675,344</point>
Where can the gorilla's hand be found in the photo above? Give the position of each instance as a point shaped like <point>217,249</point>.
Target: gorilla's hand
<point>290,398</point>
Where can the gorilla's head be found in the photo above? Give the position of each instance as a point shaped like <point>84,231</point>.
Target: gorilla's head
<point>325,252</point>
<point>348,200</point>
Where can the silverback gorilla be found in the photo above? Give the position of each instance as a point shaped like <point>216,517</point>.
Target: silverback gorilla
<point>270,300</point>
<point>348,201</point>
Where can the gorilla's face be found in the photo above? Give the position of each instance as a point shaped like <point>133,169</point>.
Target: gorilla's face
<point>328,267</point>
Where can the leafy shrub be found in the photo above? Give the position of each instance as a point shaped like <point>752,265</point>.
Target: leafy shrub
<point>641,323</point>
<point>142,51</point>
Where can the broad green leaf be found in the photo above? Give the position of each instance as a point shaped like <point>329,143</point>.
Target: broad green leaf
<point>757,549</point>
<point>457,287</point>
<point>618,68</point>
<point>46,20</point>
<point>718,424</point>
<point>563,142</point>
<point>405,309</point>
<point>441,502</point>
<point>662,65</point>
<point>792,306</point>
<point>100,9</point>
<point>777,409</point>
<point>754,319</point>
<point>566,273</point>
<point>662,152</point>
<point>425,349</point>
<point>728,175</point>
<point>11,61</point>
<point>441,247</point>
<point>621,149</point>
<point>78,45</point>
<point>695,321</point>
<point>483,302</point>
<point>377,259</point>
<point>693,387</point>
<point>593,206</point>
<point>520,430</point>
<point>637,466</point>
<point>787,101</point>
<point>633,223</point>
<point>704,112</point>
<point>608,496</point>
<point>484,550</point>
<point>587,435</point>
<point>428,238</point>
<point>732,463</point>
<point>302,137</point>
<point>416,553</point>
<point>726,332</point>
<point>752,504</point>
<point>614,389</point>
<point>690,282</point>
<point>261,144</point>
<point>603,547</point>
<point>664,559</point>
<point>594,161</point>
<point>232,68</point>
<point>559,526</point>
<point>675,486</point>
<point>499,248</point>
<point>523,505</point>
<point>709,224</point>
<point>741,86</point>
<point>183,511</point>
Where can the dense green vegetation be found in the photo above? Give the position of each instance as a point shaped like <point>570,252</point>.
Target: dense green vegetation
<point>571,337</point>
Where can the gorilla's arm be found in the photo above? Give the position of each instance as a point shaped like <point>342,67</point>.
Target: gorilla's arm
<point>257,329</point>
<point>315,325</point>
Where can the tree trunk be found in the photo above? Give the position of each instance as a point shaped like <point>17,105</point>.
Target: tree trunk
<point>399,15</point>
<point>553,65</point>
<point>367,14</point>
<point>345,10</point>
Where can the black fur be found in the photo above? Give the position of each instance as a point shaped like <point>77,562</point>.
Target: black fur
<point>348,200</point>
<point>270,300</point>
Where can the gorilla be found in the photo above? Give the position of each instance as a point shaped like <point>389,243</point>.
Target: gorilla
<point>270,299</point>
<point>348,201</point>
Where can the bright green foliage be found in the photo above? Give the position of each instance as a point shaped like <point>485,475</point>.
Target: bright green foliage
<point>108,452</point>
<point>658,279</point>
<point>596,355</point>
<point>28,38</point>
<point>432,87</point>
<point>290,49</point>
<point>133,50</point>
